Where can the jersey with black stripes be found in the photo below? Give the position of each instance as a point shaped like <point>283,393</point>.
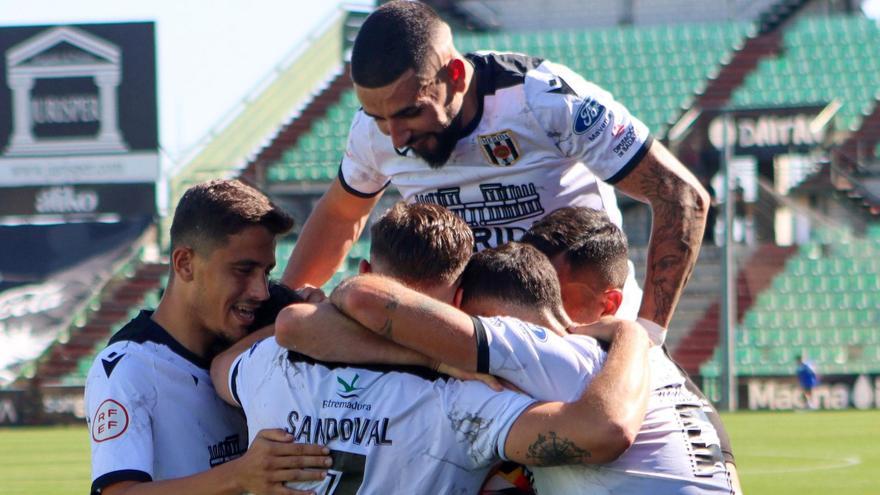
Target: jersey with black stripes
<point>153,411</point>
<point>543,138</point>
<point>676,450</point>
<point>388,431</point>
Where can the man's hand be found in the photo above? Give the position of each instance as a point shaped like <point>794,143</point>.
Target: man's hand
<point>273,459</point>
<point>461,374</point>
<point>606,328</point>
<point>311,294</point>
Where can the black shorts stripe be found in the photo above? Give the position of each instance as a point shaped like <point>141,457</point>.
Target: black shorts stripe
<point>631,164</point>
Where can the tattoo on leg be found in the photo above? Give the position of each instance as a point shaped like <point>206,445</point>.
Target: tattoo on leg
<point>555,451</point>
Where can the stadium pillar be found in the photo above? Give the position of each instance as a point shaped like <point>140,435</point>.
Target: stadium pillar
<point>727,322</point>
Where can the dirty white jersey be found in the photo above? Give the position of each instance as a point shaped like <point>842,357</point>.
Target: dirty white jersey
<point>676,451</point>
<point>153,412</point>
<point>543,138</point>
<point>388,431</point>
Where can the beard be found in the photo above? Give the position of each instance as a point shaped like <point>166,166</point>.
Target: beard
<point>446,141</point>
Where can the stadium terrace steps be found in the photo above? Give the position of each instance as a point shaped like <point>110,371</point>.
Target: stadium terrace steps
<point>755,275</point>
<point>732,74</point>
<point>825,305</point>
<point>290,133</point>
<point>120,300</point>
<point>822,58</point>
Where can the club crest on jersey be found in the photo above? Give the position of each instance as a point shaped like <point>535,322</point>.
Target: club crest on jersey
<point>499,148</point>
<point>110,421</point>
<point>590,113</point>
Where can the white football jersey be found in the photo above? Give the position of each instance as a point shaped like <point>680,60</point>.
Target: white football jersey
<point>543,138</point>
<point>388,431</point>
<point>153,412</point>
<point>676,450</point>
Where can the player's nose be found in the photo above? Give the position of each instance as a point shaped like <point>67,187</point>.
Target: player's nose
<point>400,134</point>
<point>258,288</point>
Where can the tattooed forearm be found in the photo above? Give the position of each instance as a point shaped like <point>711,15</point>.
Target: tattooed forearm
<point>390,306</point>
<point>679,217</point>
<point>552,450</point>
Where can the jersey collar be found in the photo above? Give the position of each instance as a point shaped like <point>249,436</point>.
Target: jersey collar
<point>144,329</point>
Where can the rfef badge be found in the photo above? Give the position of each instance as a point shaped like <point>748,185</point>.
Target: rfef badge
<point>500,148</point>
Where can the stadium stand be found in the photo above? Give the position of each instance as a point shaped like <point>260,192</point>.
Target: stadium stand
<point>824,304</point>
<point>822,59</point>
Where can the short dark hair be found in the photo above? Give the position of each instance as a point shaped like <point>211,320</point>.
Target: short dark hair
<point>589,239</point>
<point>396,37</point>
<point>210,212</point>
<point>513,272</point>
<point>421,243</point>
<point>280,296</point>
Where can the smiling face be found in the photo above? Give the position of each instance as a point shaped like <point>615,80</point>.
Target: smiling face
<point>230,282</point>
<point>418,113</point>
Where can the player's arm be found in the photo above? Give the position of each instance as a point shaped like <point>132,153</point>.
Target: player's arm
<point>679,206</point>
<point>409,318</point>
<point>598,427</point>
<point>332,228</point>
<point>320,331</point>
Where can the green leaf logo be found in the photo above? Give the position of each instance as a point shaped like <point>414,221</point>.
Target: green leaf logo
<point>348,388</point>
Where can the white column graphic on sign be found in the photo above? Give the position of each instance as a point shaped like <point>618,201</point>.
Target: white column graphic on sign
<point>64,53</point>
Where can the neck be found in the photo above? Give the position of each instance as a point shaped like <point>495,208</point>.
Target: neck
<point>173,315</point>
<point>541,317</point>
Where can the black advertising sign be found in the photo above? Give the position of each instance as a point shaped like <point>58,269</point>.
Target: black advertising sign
<point>766,131</point>
<point>78,200</point>
<point>77,106</point>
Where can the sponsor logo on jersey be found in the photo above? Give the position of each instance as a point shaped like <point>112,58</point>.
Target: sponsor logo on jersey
<point>539,332</point>
<point>589,114</point>
<point>499,148</point>
<point>111,362</point>
<point>225,450</point>
<point>626,142</point>
<point>357,431</point>
<point>347,390</point>
<point>110,421</point>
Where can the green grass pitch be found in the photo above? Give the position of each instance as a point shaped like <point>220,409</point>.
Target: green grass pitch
<point>782,453</point>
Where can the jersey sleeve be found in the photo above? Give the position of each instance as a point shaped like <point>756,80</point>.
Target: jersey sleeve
<point>481,418</point>
<point>120,400</point>
<point>539,362</point>
<point>358,172</point>
<point>585,122</point>
<point>243,376</point>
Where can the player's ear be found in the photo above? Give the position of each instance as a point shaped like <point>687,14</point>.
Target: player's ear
<point>182,259</point>
<point>611,301</point>
<point>365,267</point>
<point>456,72</point>
<point>456,299</point>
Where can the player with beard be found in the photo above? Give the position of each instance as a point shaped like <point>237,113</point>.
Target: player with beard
<point>157,424</point>
<point>501,139</point>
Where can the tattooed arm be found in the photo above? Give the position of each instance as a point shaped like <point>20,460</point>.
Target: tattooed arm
<point>595,429</point>
<point>679,206</point>
<point>311,328</point>
<point>409,318</point>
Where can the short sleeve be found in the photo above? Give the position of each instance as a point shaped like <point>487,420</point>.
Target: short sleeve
<point>241,371</point>
<point>541,363</point>
<point>586,122</point>
<point>358,172</point>
<point>481,418</point>
<point>120,400</point>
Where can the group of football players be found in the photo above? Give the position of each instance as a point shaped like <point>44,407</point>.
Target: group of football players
<point>535,365</point>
